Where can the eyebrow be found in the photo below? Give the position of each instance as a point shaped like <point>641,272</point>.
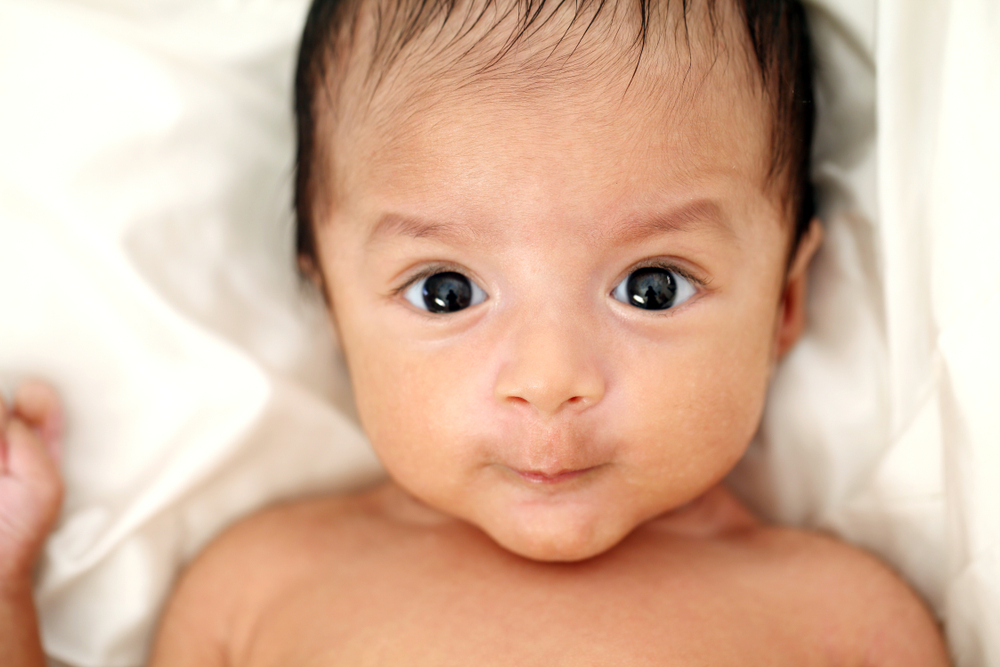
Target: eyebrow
<point>697,214</point>
<point>394,224</point>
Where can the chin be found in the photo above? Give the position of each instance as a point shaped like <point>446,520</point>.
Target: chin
<point>557,541</point>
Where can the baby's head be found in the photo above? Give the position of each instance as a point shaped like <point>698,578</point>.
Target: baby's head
<point>563,244</point>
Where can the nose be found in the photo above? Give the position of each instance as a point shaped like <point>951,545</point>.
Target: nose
<point>551,367</point>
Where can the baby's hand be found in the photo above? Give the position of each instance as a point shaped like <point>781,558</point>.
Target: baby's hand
<point>31,488</point>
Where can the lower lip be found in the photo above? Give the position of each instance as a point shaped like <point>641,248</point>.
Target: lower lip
<point>542,478</point>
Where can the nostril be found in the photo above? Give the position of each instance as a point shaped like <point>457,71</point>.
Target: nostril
<point>576,401</point>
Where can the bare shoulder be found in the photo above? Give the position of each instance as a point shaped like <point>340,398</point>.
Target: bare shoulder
<point>811,584</point>
<point>214,604</point>
<point>865,612</point>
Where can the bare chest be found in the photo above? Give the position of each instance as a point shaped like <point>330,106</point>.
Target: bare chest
<point>463,604</point>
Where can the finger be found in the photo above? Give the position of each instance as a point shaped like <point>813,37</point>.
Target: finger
<point>3,413</point>
<point>38,404</point>
<point>3,437</point>
<point>35,491</point>
<point>29,460</point>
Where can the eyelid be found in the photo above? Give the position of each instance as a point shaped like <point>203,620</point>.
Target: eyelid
<point>667,265</point>
<point>429,270</point>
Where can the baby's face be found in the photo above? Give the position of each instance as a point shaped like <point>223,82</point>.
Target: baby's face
<point>560,309</point>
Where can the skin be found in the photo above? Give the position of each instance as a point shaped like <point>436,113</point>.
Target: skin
<point>555,454</point>
<point>552,416</point>
<point>30,495</point>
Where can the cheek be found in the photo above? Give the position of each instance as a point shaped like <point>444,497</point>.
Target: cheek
<point>394,394</point>
<point>417,408</point>
<point>696,404</point>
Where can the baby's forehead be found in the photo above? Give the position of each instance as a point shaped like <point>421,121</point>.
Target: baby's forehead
<point>573,70</point>
<point>422,93</point>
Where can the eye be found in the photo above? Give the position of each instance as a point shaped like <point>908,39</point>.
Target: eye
<point>654,288</point>
<point>445,292</point>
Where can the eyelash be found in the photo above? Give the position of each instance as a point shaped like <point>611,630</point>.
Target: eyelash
<point>443,267</point>
<point>668,266</point>
<point>430,270</point>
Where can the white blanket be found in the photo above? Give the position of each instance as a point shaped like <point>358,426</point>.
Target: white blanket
<point>145,249</point>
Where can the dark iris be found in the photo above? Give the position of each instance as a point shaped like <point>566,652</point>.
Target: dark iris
<point>447,292</point>
<point>651,288</point>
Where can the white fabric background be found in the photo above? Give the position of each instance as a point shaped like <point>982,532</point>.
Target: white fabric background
<point>145,249</point>
<point>884,425</point>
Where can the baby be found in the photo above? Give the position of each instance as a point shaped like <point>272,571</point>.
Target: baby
<point>563,246</point>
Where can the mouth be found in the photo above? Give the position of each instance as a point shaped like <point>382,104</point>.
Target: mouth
<point>552,479</point>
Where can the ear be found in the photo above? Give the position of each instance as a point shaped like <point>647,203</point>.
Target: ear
<point>312,273</point>
<point>792,309</point>
<point>309,270</point>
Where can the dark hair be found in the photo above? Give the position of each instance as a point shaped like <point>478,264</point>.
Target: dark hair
<point>777,34</point>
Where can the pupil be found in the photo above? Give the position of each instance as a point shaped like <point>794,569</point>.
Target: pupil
<point>651,289</point>
<point>447,292</point>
